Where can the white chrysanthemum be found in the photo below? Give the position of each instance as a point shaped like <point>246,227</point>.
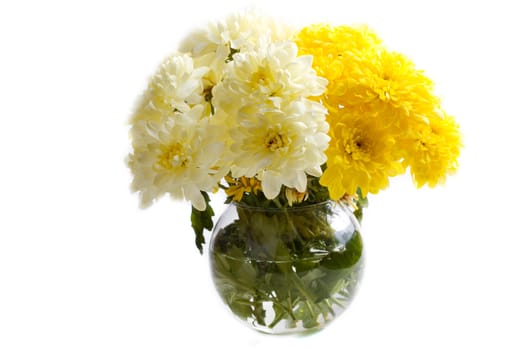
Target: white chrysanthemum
<point>277,133</point>
<point>213,46</point>
<point>175,88</point>
<point>175,156</point>
<point>280,145</point>
<point>273,71</point>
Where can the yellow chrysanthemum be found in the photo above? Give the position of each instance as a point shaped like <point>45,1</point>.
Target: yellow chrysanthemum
<point>387,85</point>
<point>359,156</point>
<point>379,106</point>
<point>238,187</point>
<point>329,44</point>
<point>431,149</point>
<point>293,196</point>
<point>364,76</point>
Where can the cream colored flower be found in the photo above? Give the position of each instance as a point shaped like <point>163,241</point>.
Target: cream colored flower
<point>175,156</point>
<point>174,89</point>
<point>273,73</point>
<point>213,47</point>
<point>277,133</point>
<point>279,146</point>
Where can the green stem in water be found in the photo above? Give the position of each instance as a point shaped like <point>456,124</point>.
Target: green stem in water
<point>309,297</point>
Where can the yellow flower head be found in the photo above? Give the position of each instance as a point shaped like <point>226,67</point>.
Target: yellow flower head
<point>238,187</point>
<point>431,149</point>
<point>359,156</point>
<point>364,76</point>
<point>387,84</point>
<point>328,45</point>
<point>378,104</point>
<point>294,196</point>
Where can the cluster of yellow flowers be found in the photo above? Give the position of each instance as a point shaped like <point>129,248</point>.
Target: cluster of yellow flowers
<point>383,113</point>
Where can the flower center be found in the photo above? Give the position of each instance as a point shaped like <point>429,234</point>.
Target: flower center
<point>384,93</point>
<point>274,141</point>
<point>355,149</point>
<point>259,77</point>
<point>173,156</point>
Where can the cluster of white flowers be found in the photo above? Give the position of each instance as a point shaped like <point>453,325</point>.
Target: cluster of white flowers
<point>236,99</point>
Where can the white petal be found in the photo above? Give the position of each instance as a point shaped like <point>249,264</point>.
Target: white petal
<point>300,181</point>
<point>315,171</point>
<point>194,195</point>
<point>146,199</point>
<point>271,185</point>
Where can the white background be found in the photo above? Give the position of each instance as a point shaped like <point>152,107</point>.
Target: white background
<point>81,267</point>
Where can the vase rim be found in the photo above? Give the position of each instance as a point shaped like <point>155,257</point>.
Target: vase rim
<point>286,208</point>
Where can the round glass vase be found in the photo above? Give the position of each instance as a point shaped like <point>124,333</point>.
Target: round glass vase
<point>287,270</point>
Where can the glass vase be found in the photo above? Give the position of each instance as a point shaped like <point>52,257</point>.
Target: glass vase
<point>287,270</point>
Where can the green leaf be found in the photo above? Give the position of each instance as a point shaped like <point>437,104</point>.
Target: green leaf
<point>346,258</point>
<point>242,308</point>
<point>201,220</point>
<point>232,52</point>
<point>259,311</point>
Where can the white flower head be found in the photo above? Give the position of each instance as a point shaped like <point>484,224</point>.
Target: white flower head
<point>277,133</point>
<point>175,156</point>
<point>212,47</point>
<point>175,88</point>
<point>273,71</point>
<point>239,100</point>
<point>280,145</point>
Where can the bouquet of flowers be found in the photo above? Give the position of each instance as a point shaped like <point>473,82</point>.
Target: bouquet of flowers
<point>280,117</point>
